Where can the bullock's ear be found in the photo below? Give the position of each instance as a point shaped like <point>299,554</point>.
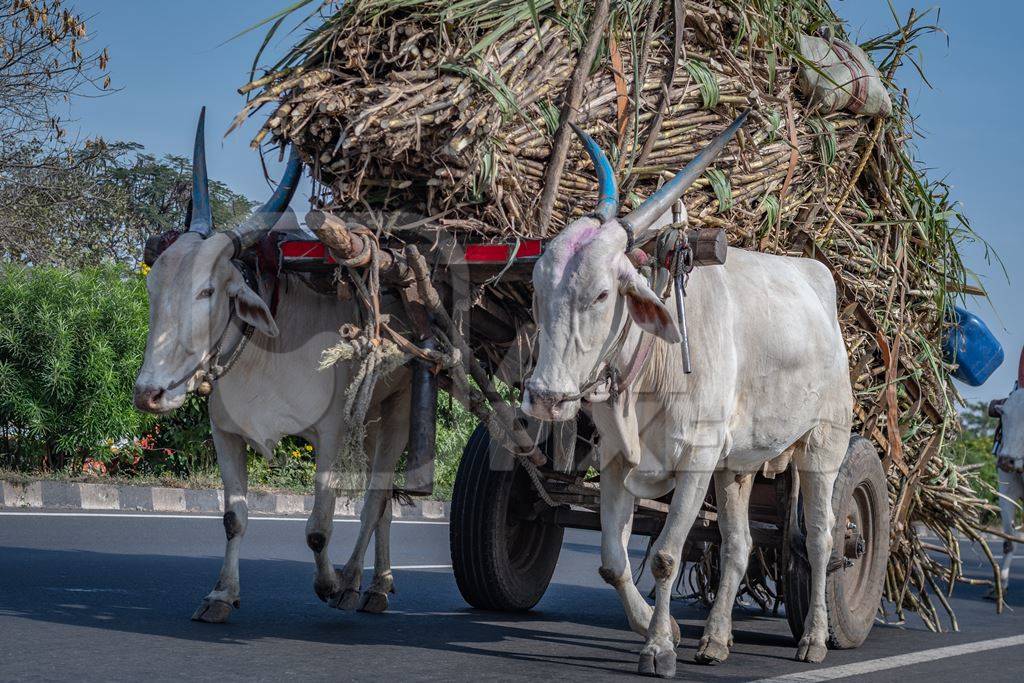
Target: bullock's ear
<point>646,309</point>
<point>251,308</point>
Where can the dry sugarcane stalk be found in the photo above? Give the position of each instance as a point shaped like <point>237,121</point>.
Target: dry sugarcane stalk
<point>505,415</point>
<point>560,146</point>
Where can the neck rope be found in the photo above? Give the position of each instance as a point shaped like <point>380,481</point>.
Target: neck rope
<point>214,369</point>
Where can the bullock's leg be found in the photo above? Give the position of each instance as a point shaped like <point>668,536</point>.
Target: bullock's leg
<point>375,598</point>
<point>616,526</point>
<point>732,493</point>
<point>225,595</point>
<point>320,525</point>
<point>394,437</point>
<point>818,467</point>
<point>658,655</point>
<point>386,436</point>
<point>1010,493</point>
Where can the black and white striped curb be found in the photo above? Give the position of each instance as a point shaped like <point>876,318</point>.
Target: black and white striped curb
<point>61,495</point>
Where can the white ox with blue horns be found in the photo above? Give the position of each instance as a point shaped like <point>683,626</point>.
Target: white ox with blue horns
<point>769,385</point>
<point>211,331</point>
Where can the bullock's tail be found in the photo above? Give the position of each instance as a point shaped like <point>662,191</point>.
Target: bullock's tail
<point>402,496</point>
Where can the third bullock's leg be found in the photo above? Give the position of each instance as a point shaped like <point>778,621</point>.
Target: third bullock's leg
<point>817,470</point>
<point>658,655</point>
<point>225,595</point>
<point>1011,490</point>
<point>732,493</point>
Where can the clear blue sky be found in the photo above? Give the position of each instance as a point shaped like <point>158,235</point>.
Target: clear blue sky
<point>170,58</point>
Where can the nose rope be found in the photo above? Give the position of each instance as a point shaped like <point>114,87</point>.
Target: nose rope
<point>216,371</point>
<point>604,371</point>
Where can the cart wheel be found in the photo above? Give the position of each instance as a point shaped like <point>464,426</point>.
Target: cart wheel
<point>501,560</point>
<point>860,541</point>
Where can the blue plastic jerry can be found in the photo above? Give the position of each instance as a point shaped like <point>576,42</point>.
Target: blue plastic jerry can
<point>972,347</point>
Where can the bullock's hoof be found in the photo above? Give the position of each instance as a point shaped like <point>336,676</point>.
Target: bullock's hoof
<point>347,599</point>
<point>991,594</point>
<point>214,611</point>
<point>326,589</point>
<point>660,664</point>
<point>374,602</point>
<point>811,652</point>
<point>711,651</point>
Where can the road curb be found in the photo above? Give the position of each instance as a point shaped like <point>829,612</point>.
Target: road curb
<point>62,495</point>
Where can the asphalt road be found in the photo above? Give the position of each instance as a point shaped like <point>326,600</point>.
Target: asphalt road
<point>108,597</point>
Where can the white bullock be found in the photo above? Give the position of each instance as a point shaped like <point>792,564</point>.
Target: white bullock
<point>1010,468</point>
<point>770,381</point>
<point>200,308</point>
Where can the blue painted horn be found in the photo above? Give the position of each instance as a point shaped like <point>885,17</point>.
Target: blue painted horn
<point>264,218</point>
<point>661,201</point>
<point>608,194</point>
<point>200,218</point>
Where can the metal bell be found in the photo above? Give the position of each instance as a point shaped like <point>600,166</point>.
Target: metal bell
<point>204,388</point>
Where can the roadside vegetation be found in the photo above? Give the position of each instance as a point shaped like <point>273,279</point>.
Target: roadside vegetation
<point>71,342</point>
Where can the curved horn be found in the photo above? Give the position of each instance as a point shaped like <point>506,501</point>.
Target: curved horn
<point>200,215</point>
<point>608,194</point>
<point>264,218</point>
<point>661,201</point>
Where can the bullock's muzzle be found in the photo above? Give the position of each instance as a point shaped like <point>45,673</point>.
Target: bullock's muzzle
<point>150,399</point>
<point>547,405</point>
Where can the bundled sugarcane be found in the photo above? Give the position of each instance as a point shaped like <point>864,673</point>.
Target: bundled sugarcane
<point>457,110</point>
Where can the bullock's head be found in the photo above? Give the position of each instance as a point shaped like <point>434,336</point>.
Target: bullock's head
<point>585,286</point>
<point>1012,443</point>
<point>195,289</point>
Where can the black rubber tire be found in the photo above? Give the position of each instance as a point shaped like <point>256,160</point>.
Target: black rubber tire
<point>501,562</point>
<point>852,594</point>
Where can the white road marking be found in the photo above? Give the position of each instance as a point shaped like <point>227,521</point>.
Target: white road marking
<point>149,515</point>
<point>417,566</point>
<point>897,661</point>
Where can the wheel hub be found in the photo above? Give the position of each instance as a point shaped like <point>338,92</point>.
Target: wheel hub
<point>855,547</point>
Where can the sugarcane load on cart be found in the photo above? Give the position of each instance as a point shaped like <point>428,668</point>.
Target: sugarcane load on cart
<point>441,137</point>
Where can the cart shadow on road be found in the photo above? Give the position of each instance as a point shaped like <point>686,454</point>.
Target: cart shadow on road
<point>154,595</point>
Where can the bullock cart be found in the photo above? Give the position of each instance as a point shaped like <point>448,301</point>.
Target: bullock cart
<point>460,113</point>
<point>521,484</point>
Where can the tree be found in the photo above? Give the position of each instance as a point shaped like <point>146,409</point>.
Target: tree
<point>42,65</point>
<point>98,203</point>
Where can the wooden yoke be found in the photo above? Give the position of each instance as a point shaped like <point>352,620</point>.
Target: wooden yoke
<point>350,247</point>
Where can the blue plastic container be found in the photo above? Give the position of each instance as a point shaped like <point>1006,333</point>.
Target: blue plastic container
<point>972,347</point>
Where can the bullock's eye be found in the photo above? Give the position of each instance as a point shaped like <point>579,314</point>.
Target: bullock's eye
<point>205,293</point>
<point>601,297</point>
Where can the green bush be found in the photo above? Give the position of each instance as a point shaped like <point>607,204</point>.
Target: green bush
<point>455,425</point>
<point>70,346</point>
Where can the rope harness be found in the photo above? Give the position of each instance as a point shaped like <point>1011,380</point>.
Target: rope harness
<point>675,257</point>
<point>215,370</point>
